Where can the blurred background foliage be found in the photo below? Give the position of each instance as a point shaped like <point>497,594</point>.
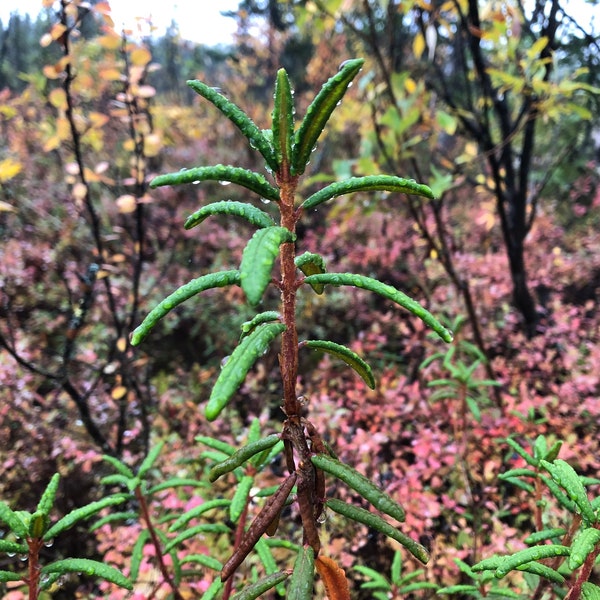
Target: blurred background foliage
<point>494,104</point>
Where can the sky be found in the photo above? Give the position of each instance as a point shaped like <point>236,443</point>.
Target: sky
<point>199,20</point>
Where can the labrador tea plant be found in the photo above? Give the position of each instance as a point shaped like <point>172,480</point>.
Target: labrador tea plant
<point>271,258</point>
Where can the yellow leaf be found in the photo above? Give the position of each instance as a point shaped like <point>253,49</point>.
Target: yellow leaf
<point>58,29</point>
<point>9,168</point>
<point>118,392</point>
<point>122,344</point>
<point>418,45</point>
<point>58,98</point>
<point>140,57</point>
<point>110,41</point>
<point>79,191</point>
<point>110,74</point>
<point>126,203</point>
<point>410,85</point>
<point>6,207</point>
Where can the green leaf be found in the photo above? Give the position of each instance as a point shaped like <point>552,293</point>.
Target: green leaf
<point>137,554</point>
<point>193,287</point>
<point>530,460</point>
<point>252,214</point>
<point>542,571</point>
<point>150,459</point>
<point>250,180</point>
<point>590,591</point>
<point>248,351</point>
<point>113,518</point>
<point>215,528</point>
<point>264,584</point>
<point>546,534</point>
<point>242,455</point>
<point>119,466</point>
<point>14,521</point>
<point>303,578</point>
<point>204,560</point>
<point>268,561</point>
<point>258,258</point>
<point>283,119</point>
<point>240,497</point>
<point>377,578</point>
<point>311,264</point>
<point>370,183</point>
<point>582,546</point>
<point>92,568</point>
<point>350,358</point>
<point>216,444</point>
<point>264,317</point>
<point>360,515</point>
<point>79,514</point>
<point>47,500</point>
<point>360,484</point>
<point>197,511</point>
<point>38,524</point>
<point>13,547</point>
<point>387,291</point>
<point>508,563</point>
<point>564,474</point>
<point>319,111</point>
<point>214,590</point>
<point>9,576</point>
<point>240,119</point>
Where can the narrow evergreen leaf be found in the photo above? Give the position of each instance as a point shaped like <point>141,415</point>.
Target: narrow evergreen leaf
<point>462,588</point>
<point>252,214</point>
<point>248,351</point>
<point>542,571</point>
<point>350,358</point>
<point>530,460</point>
<point>387,291</point>
<point>261,318</point>
<point>119,466</point>
<point>546,534</point>
<point>13,520</point>
<point>92,568</point>
<point>250,180</point>
<point>283,119</point>
<point>6,576</point>
<point>47,500</point>
<point>258,259</point>
<point>215,528</point>
<point>360,484</point>
<point>370,183</point>
<point>582,546</point>
<point>113,518</point>
<point>303,578</point>
<point>175,482</point>
<point>193,287</point>
<point>508,563</point>
<point>360,515</point>
<point>240,497</point>
<point>242,455</point>
<point>38,524</point>
<point>204,560</point>
<point>13,547</point>
<point>564,474</point>
<point>214,590</point>
<point>319,111</point>
<point>150,459</point>
<point>137,554</point>
<point>216,444</point>
<point>197,511</point>
<point>264,584</point>
<point>79,514</point>
<point>590,591</point>
<point>240,119</point>
<point>311,264</point>
<point>265,556</point>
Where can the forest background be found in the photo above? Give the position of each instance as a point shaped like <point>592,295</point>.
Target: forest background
<point>495,105</point>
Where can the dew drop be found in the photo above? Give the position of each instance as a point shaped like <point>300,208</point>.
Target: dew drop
<point>11,554</point>
<point>265,201</point>
<point>195,182</point>
<point>321,519</point>
<point>343,64</point>
<point>49,543</point>
<point>224,182</point>
<point>224,361</point>
<point>23,557</point>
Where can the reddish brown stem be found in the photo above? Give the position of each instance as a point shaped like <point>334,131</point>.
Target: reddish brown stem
<point>156,543</point>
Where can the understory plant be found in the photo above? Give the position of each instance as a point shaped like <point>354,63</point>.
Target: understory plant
<point>271,259</point>
<point>560,553</point>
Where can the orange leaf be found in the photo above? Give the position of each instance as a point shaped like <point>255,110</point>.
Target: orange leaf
<point>334,578</point>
